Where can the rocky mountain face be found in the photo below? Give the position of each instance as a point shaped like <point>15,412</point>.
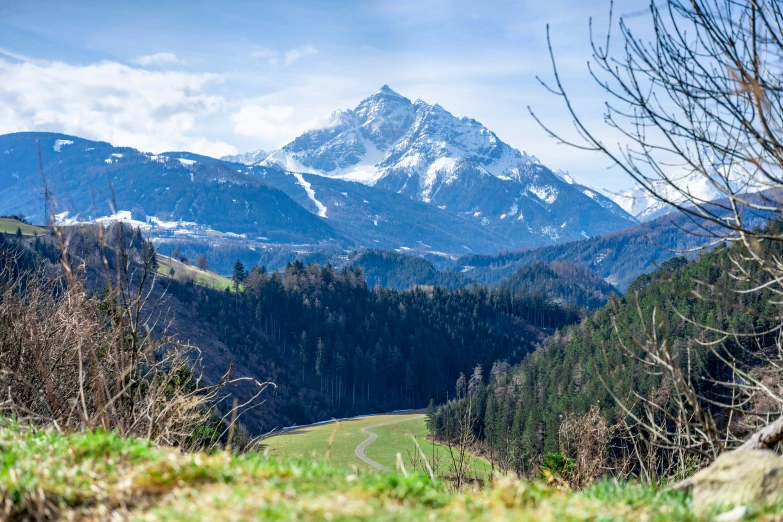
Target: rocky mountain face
<point>456,164</point>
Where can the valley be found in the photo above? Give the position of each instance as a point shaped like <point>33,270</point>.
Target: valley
<point>374,438</point>
<point>239,283</point>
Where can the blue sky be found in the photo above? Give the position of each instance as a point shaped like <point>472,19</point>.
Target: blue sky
<point>219,77</point>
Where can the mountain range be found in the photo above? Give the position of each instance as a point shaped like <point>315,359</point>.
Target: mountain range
<point>390,173</point>
<point>640,203</point>
<point>455,164</point>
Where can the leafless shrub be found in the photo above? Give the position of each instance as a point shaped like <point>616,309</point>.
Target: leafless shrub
<point>73,359</point>
<point>585,439</point>
<point>461,439</point>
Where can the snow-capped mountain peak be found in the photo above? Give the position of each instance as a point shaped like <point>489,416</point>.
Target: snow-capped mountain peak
<point>456,163</point>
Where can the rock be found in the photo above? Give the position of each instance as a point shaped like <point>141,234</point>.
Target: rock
<point>739,478</point>
<point>738,513</point>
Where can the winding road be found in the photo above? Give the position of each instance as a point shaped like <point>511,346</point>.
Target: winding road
<point>371,436</point>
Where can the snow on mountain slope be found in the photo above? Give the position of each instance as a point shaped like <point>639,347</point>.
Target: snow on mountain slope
<point>246,158</point>
<point>424,152</point>
<point>641,204</point>
<point>311,194</point>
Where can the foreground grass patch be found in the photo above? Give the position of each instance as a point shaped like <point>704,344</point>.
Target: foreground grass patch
<point>100,476</point>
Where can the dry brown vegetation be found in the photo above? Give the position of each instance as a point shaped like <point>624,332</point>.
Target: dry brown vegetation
<point>75,357</point>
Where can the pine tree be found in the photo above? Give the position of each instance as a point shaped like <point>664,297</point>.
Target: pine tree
<point>238,276</point>
<point>303,352</point>
<point>320,358</point>
<point>528,443</point>
<point>491,427</point>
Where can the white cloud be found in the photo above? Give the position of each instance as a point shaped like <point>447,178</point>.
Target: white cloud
<point>149,110</point>
<point>157,59</point>
<point>300,52</point>
<point>269,123</point>
<point>215,149</point>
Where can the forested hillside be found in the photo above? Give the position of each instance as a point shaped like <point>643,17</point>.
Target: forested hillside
<point>334,346</point>
<point>520,413</point>
<point>561,282</point>
<point>401,272</point>
<point>619,257</point>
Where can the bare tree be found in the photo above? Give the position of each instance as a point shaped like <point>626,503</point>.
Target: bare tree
<point>702,101</point>
<point>76,358</point>
<point>585,439</point>
<point>201,262</point>
<point>460,436</point>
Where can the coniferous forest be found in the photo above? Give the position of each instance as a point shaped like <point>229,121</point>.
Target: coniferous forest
<point>336,347</point>
<point>599,369</point>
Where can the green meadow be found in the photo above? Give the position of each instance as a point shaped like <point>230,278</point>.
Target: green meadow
<point>10,226</point>
<point>200,277</point>
<point>337,442</point>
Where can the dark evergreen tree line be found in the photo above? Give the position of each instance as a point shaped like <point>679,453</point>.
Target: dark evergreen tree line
<point>334,346</point>
<point>521,409</point>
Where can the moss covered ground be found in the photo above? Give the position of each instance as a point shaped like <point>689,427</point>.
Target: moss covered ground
<point>100,476</point>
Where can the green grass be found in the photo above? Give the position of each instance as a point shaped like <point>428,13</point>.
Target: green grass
<point>96,475</point>
<point>395,438</point>
<point>10,226</point>
<point>313,441</point>
<point>200,277</point>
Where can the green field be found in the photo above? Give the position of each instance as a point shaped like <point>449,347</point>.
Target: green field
<point>395,438</point>
<point>313,441</point>
<point>200,277</point>
<point>10,226</point>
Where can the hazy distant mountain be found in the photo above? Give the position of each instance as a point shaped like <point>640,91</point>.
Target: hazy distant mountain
<point>246,158</point>
<point>644,206</point>
<point>640,202</point>
<point>620,256</point>
<point>427,154</point>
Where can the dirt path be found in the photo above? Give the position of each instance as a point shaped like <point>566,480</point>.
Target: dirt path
<point>371,436</point>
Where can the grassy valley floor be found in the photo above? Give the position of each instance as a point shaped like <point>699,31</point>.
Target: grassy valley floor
<point>394,435</point>
<point>99,476</point>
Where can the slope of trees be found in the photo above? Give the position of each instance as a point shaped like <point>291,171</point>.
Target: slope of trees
<point>521,410</point>
<point>389,269</point>
<point>619,257</point>
<point>562,282</point>
<point>334,346</point>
